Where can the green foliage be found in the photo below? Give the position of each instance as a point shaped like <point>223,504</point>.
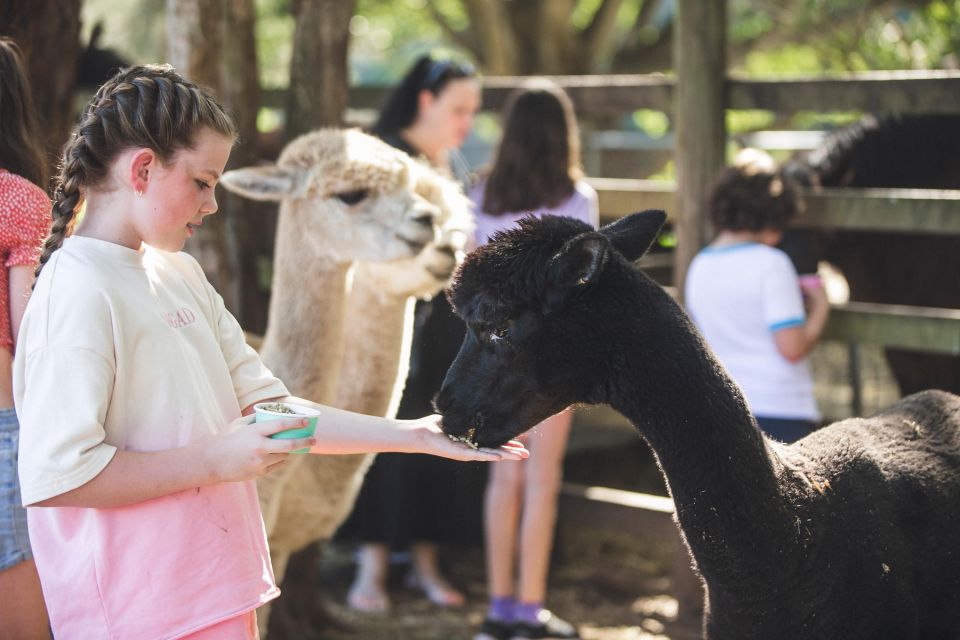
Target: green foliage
<point>792,58</point>
<point>810,36</point>
<point>766,36</point>
<point>745,120</point>
<point>134,29</point>
<point>388,35</point>
<point>824,119</point>
<point>654,123</point>
<point>274,34</point>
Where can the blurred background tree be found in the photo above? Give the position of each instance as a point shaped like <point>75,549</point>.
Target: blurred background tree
<point>248,48</point>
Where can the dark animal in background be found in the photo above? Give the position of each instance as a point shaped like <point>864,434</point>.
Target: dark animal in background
<point>849,534</point>
<point>97,64</point>
<point>920,152</point>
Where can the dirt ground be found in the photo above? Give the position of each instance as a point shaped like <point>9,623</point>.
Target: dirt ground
<point>614,591</point>
<point>615,585</point>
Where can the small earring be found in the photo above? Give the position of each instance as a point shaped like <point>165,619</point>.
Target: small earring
<point>140,193</point>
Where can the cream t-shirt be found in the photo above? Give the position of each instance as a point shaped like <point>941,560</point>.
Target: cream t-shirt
<point>136,351</point>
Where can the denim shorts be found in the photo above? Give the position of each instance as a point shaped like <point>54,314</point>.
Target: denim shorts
<point>14,542</point>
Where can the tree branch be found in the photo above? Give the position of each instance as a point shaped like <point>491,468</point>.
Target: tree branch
<point>601,27</point>
<point>467,38</point>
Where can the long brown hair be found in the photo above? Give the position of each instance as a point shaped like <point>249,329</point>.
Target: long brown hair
<point>21,147</point>
<point>538,160</point>
<point>149,106</point>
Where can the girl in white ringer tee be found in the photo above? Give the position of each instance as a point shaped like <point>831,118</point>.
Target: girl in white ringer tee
<point>747,300</point>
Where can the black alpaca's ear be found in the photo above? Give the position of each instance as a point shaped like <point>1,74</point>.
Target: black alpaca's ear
<point>577,265</point>
<point>633,235</point>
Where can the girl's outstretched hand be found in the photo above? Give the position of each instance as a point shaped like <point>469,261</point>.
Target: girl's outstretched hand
<point>430,439</point>
<point>245,450</point>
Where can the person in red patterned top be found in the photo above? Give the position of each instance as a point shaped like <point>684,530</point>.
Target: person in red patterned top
<point>24,222</point>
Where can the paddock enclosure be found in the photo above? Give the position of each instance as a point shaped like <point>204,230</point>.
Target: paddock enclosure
<point>852,376</point>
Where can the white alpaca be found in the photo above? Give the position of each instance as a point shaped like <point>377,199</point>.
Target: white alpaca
<point>345,197</point>
<point>376,355</point>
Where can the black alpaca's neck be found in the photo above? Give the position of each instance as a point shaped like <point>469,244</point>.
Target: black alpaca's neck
<point>720,474</point>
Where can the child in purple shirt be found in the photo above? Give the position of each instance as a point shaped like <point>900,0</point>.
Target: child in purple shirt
<point>536,172</point>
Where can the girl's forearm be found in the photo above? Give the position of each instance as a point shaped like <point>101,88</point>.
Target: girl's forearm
<point>135,476</point>
<point>340,432</point>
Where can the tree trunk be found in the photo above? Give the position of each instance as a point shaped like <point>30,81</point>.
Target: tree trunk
<point>496,43</point>
<point>48,32</point>
<point>318,95</point>
<point>251,226</point>
<point>195,49</point>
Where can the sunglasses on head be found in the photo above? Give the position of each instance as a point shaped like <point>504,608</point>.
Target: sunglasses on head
<point>439,69</point>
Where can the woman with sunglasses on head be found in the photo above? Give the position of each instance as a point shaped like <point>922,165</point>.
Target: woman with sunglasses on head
<point>406,501</point>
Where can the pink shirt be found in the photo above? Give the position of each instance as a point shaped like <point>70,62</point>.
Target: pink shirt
<point>24,222</point>
<point>128,350</point>
<point>582,205</point>
<point>159,569</point>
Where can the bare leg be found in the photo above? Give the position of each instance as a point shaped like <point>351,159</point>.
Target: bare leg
<point>541,485</point>
<point>427,576</point>
<point>22,609</point>
<point>501,515</point>
<point>369,590</point>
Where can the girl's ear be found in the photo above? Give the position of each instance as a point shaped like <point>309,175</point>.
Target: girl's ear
<point>425,100</point>
<point>266,183</point>
<point>142,164</point>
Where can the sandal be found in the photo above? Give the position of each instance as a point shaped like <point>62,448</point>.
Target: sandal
<point>547,627</point>
<point>438,591</point>
<point>373,601</point>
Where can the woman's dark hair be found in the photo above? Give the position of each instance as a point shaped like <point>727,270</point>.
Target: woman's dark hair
<point>752,196</point>
<point>538,160</point>
<point>400,109</point>
<point>149,106</point>
<point>21,147</point>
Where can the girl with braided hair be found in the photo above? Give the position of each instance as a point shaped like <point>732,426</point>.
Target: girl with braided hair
<point>132,382</point>
<point>24,220</point>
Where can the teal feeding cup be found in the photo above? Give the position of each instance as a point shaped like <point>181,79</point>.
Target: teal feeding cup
<point>278,410</point>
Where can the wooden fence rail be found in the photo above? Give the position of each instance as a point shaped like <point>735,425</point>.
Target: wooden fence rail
<point>888,210</point>
<point>895,210</point>
<point>875,91</point>
<point>646,514</point>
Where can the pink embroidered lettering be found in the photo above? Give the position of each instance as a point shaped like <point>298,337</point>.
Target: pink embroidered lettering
<point>180,318</point>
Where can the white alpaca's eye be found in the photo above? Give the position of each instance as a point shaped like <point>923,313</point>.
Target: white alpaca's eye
<point>352,197</point>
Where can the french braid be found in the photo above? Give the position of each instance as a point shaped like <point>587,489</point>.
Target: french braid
<point>148,106</point>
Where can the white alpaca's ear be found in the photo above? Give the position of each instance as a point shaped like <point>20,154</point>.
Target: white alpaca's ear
<point>266,183</point>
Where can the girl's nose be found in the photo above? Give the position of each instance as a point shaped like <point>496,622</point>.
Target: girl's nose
<point>210,206</point>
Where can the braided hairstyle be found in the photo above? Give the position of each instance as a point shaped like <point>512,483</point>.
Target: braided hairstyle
<point>149,106</point>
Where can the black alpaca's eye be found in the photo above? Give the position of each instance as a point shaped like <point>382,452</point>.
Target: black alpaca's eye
<point>500,333</point>
<point>352,197</point>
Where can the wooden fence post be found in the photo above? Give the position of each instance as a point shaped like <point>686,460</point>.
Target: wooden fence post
<point>700,63</point>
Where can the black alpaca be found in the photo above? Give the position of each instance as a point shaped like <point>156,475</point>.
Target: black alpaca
<point>851,533</point>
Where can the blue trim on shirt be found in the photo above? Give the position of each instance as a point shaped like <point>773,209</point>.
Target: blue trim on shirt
<point>784,324</point>
<point>730,247</point>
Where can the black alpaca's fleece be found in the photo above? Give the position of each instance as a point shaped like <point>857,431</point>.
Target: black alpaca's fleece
<point>852,533</point>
